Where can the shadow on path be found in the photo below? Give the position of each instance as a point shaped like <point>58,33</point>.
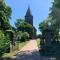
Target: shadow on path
<point>28,55</point>
<point>25,55</point>
<point>31,55</point>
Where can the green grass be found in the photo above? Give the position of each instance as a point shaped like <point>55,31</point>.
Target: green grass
<point>22,44</point>
<point>38,42</point>
<point>11,54</point>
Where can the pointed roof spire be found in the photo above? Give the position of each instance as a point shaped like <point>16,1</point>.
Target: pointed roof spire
<point>28,13</point>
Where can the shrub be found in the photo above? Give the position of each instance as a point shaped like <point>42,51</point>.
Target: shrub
<point>24,37</point>
<point>21,36</point>
<point>4,43</point>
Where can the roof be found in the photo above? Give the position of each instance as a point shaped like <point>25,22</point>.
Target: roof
<point>28,13</point>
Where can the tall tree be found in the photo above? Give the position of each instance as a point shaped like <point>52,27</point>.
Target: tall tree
<point>6,9</point>
<point>18,22</point>
<point>25,27</point>
<point>5,15</point>
<point>21,25</point>
<point>55,13</point>
<point>43,25</point>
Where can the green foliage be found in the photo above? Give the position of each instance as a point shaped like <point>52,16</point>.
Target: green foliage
<point>39,36</point>
<point>21,25</point>
<point>55,18</point>
<point>4,43</point>
<point>24,37</point>
<point>18,35</point>
<point>43,25</point>
<point>18,22</point>
<point>55,13</point>
<point>57,3</point>
<point>13,28</point>
<point>6,9</point>
<point>4,23</point>
<point>21,36</point>
<point>5,15</point>
<point>25,27</point>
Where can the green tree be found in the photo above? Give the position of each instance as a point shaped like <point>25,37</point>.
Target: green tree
<point>21,25</point>
<point>21,36</point>
<point>43,25</point>
<point>5,15</point>
<point>55,13</point>
<point>18,22</point>
<point>6,9</point>
<point>24,37</point>
<point>55,18</point>
<point>25,27</point>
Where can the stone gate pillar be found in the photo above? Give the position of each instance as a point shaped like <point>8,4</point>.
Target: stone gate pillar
<point>10,35</point>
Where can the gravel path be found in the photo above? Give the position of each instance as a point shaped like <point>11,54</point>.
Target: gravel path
<point>30,52</point>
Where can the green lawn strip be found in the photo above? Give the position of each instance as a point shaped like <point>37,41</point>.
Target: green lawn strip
<point>38,42</point>
<point>11,54</point>
<point>21,45</point>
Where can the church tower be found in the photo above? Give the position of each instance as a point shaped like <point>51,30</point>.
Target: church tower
<point>29,17</point>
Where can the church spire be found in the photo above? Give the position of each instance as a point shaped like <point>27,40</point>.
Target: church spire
<point>29,17</point>
<point>28,13</point>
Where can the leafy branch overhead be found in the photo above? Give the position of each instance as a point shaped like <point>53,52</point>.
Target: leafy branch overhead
<point>5,15</point>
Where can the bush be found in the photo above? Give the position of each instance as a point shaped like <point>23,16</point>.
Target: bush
<point>21,36</point>
<point>39,36</point>
<point>4,43</point>
<point>24,37</point>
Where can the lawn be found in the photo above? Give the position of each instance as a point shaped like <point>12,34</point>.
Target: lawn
<point>38,42</point>
<point>11,54</point>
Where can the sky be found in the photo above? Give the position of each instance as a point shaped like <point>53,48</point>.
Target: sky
<point>39,10</point>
